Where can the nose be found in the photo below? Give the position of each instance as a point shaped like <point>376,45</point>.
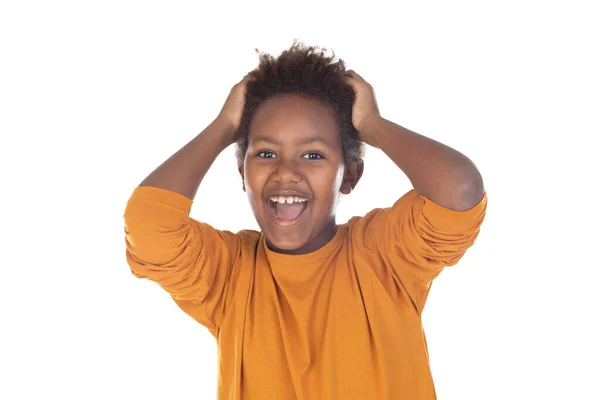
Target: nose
<point>287,172</point>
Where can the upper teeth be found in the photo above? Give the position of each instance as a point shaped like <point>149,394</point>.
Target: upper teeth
<point>287,199</point>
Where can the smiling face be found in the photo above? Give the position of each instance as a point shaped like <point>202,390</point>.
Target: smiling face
<point>294,172</point>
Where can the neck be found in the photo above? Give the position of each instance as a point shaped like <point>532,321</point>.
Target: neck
<point>324,237</point>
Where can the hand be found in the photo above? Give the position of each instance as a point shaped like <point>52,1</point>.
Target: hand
<point>234,106</point>
<point>365,103</point>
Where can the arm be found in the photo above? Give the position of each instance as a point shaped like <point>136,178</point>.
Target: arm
<point>184,170</point>
<point>435,170</point>
<point>431,226</point>
<point>191,260</point>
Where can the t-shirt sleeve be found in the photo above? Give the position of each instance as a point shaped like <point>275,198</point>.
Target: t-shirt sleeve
<point>416,238</point>
<point>190,260</point>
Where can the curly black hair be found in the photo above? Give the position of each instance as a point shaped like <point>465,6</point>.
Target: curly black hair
<point>307,71</point>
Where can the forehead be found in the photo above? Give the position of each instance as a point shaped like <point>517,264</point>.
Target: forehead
<point>287,116</point>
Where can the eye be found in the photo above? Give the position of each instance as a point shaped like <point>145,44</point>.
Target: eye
<point>266,154</point>
<point>313,156</point>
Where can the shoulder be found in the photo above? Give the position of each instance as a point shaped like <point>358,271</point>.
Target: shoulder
<point>249,235</point>
<point>403,202</point>
<point>248,240</point>
<point>358,220</point>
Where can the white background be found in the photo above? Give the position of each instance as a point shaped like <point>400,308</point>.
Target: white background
<point>95,95</point>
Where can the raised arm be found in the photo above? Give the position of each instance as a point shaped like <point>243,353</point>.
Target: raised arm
<point>184,170</point>
<point>436,171</point>
<point>431,226</point>
<point>189,259</point>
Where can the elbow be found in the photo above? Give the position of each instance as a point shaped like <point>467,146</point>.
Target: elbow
<point>459,188</point>
<point>470,190</point>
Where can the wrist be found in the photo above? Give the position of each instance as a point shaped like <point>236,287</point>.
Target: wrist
<point>226,129</point>
<point>368,129</point>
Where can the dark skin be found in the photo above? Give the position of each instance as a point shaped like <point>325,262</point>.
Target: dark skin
<point>295,145</point>
<point>435,170</point>
<point>278,158</point>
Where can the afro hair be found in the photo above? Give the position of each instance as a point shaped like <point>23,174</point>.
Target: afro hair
<point>306,71</point>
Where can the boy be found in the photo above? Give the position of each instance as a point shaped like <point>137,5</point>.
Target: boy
<point>305,308</point>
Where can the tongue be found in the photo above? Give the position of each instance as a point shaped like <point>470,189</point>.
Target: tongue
<point>288,212</point>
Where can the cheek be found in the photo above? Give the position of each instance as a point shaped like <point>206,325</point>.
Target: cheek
<point>327,182</point>
<point>254,187</point>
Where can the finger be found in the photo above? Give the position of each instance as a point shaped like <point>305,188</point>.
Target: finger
<point>356,75</point>
<point>246,78</point>
<point>350,77</point>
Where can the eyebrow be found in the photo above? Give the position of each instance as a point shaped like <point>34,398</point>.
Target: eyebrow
<point>306,140</point>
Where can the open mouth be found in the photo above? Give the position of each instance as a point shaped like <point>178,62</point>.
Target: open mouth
<point>287,210</point>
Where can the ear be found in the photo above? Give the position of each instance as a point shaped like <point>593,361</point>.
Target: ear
<point>241,171</point>
<point>352,175</point>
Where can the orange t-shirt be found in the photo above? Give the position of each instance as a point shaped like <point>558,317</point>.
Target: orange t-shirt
<point>342,322</point>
